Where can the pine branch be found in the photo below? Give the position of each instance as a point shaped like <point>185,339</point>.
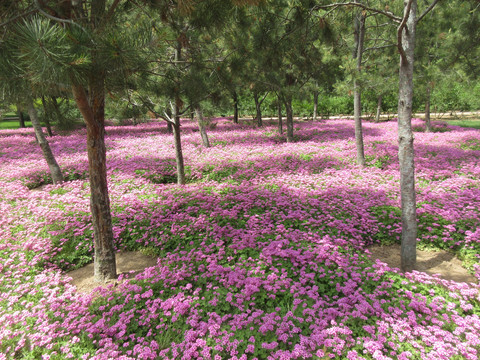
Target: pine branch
<point>9,21</point>
<point>427,10</point>
<point>360,5</point>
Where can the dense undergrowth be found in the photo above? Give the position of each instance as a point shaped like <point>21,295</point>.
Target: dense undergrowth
<point>263,254</point>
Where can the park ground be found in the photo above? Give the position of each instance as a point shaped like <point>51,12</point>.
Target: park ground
<point>265,253</point>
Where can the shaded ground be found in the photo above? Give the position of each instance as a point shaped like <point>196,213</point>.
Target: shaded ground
<point>431,262</point>
<point>127,262</point>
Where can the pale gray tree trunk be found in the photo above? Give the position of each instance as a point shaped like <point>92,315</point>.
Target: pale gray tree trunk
<point>357,94</point>
<point>55,171</point>
<point>405,140</point>
<point>428,123</point>
<point>379,108</point>
<point>202,125</point>
<point>315,105</point>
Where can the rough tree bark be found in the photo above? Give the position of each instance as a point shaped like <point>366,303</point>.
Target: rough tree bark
<point>55,171</point>
<point>201,125</point>
<point>357,95</point>
<point>406,45</point>
<point>235,107</point>
<point>93,115</point>
<point>258,109</point>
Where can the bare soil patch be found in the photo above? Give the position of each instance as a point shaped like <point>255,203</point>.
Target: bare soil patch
<point>431,262</point>
<point>132,262</point>
<point>446,264</point>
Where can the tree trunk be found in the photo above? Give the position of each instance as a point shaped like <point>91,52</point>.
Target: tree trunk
<point>357,96</point>
<point>169,128</point>
<point>405,143</point>
<point>258,109</point>
<point>176,126</point>
<point>55,172</point>
<point>315,105</point>
<point>289,111</point>
<point>47,120</point>
<point>428,124</point>
<point>201,125</point>
<point>92,109</point>
<point>93,115</point>
<point>379,108</point>
<point>60,118</point>
<point>235,107</point>
<point>21,119</point>
<point>178,147</point>
<point>280,120</point>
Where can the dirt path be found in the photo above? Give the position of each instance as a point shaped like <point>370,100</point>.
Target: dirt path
<point>126,261</point>
<point>438,262</point>
<point>432,262</point>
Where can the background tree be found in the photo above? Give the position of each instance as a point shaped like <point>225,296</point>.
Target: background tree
<point>13,50</point>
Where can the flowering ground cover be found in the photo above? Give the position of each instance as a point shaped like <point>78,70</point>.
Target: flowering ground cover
<point>262,255</point>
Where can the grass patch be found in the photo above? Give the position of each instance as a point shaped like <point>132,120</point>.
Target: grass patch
<point>473,123</point>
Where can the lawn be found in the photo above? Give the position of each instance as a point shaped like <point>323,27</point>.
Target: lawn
<point>471,123</point>
<point>262,255</point>
<point>12,124</point>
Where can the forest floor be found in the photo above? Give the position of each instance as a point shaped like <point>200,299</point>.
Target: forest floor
<point>440,262</point>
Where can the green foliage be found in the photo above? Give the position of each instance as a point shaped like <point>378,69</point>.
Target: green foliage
<point>210,173</point>
<point>43,177</point>
<point>472,144</point>
<point>388,218</point>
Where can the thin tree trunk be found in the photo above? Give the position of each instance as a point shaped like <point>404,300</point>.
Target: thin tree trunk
<point>379,108</point>
<point>235,107</point>
<point>280,120</point>
<point>169,128</point>
<point>289,111</point>
<point>201,125</point>
<point>55,171</point>
<point>315,104</point>
<point>357,96</point>
<point>428,123</point>
<point>176,126</point>
<point>405,143</point>
<point>178,147</point>
<point>47,120</point>
<point>60,118</point>
<point>258,109</point>
<point>21,118</point>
